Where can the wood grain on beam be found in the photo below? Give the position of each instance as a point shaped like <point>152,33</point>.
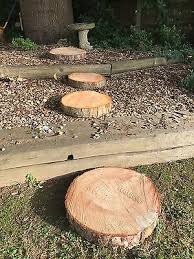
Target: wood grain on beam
<point>50,170</point>
<point>60,152</point>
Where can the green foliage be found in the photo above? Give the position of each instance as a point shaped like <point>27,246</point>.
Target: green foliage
<point>108,33</point>
<point>171,43</point>
<point>113,35</point>
<point>184,54</point>
<point>32,181</point>
<point>168,41</point>
<point>169,37</point>
<point>140,39</point>
<point>25,44</point>
<point>165,39</point>
<point>188,82</point>
<point>13,252</point>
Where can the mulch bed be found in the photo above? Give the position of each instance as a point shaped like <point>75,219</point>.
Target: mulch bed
<point>34,103</point>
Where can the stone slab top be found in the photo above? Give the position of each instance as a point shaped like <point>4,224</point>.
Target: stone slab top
<point>80,26</point>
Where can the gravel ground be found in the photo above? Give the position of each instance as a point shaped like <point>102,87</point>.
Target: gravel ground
<point>34,103</point>
<point>10,56</point>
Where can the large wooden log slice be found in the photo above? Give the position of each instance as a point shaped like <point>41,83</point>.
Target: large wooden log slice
<point>113,206</point>
<point>67,53</point>
<point>86,104</point>
<point>87,81</point>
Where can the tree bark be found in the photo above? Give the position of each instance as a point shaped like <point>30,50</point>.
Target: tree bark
<point>44,20</point>
<point>138,15</point>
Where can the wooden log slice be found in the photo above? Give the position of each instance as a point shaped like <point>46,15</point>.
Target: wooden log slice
<point>86,104</point>
<point>67,53</point>
<point>86,80</point>
<point>113,206</point>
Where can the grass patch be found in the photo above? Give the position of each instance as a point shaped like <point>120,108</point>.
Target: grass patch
<point>33,223</point>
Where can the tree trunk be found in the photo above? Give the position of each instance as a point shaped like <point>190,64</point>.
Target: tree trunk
<point>138,15</point>
<point>45,20</point>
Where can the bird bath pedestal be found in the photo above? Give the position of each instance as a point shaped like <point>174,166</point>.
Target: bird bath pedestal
<point>82,29</point>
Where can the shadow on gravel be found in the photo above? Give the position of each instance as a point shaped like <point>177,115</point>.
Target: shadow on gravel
<point>48,201</point>
<point>53,104</point>
<point>43,55</point>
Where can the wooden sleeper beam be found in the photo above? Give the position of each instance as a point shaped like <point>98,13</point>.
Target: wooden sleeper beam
<point>52,161</point>
<point>51,170</point>
<point>51,71</point>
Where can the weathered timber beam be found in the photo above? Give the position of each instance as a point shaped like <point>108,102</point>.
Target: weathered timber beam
<point>52,170</point>
<point>124,66</point>
<point>43,72</point>
<point>40,153</point>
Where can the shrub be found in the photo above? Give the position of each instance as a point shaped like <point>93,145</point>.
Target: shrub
<point>169,37</point>
<point>107,34</point>
<point>165,38</point>
<point>140,39</point>
<point>171,43</point>
<point>25,44</point>
<point>188,82</point>
<point>110,34</point>
<point>185,54</point>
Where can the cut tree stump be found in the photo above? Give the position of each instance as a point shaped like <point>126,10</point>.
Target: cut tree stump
<point>86,80</point>
<point>86,104</point>
<point>67,53</point>
<point>113,206</point>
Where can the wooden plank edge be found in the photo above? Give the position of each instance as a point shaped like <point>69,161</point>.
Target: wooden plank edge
<point>124,66</point>
<point>159,141</point>
<point>44,72</point>
<point>51,170</point>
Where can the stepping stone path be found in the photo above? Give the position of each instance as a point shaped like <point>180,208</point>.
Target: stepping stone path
<point>113,206</point>
<point>87,81</point>
<point>67,53</point>
<point>86,104</point>
<point>82,103</point>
